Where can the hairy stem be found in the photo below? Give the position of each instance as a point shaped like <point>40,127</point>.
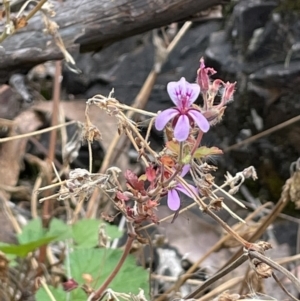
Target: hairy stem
<point>197,143</point>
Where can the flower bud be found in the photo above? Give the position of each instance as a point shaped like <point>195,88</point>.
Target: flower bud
<point>203,76</point>
<point>228,92</point>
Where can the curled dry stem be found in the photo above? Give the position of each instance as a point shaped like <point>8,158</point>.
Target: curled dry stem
<point>254,254</point>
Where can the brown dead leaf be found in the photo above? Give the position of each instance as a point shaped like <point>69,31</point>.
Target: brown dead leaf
<point>12,152</point>
<point>226,296</point>
<point>20,22</point>
<point>193,236</point>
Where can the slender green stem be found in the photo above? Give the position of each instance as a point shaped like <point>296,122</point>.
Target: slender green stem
<point>180,152</point>
<point>113,274</point>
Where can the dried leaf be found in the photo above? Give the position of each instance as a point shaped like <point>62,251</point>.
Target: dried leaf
<point>226,296</point>
<point>204,151</point>
<point>150,173</point>
<point>133,183</point>
<point>262,269</point>
<point>168,161</point>
<point>121,196</point>
<point>20,22</point>
<point>173,146</point>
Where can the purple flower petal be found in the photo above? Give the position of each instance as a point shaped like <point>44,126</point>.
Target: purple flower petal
<point>173,200</point>
<point>185,169</point>
<point>192,93</point>
<point>182,128</point>
<point>182,93</point>
<point>183,190</point>
<point>164,117</point>
<point>200,120</point>
<point>176,90</point>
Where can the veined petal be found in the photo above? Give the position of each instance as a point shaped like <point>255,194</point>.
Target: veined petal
<point>183,190</point>
<point>176,90</point>
<point>200,120</point>
<point>164,117</point>
<point>182,128</point>
<point>173,200</point>
<point>192,93</point>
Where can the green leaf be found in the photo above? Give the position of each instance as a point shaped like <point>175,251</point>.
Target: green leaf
<point>173,146</point>
<point>113,231</point>
<point>60,295</point>
<point>23,249</point>
<point>33,231</point>
<point>204,151</point>
<point>85,232</point>
<point>60,229</point>
<point>99,263</point>
<point>186,159</point>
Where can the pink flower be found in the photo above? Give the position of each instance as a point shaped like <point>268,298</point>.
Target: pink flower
<point>183,95</point>
<point>173,196</point>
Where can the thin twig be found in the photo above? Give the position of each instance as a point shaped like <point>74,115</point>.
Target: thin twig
<point>35,10</point>
<point>262,134</point>
<point>46,130</point>
<point>90,156</point>
<point>220,289</point>
<point>283,288</point>
<point>265,224</point>
<point>217,276</point>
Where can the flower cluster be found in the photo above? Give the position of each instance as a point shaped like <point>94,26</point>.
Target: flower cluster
<point>184,125</point>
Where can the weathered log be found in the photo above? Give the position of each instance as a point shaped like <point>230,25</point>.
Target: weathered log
<point>89,25</point>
